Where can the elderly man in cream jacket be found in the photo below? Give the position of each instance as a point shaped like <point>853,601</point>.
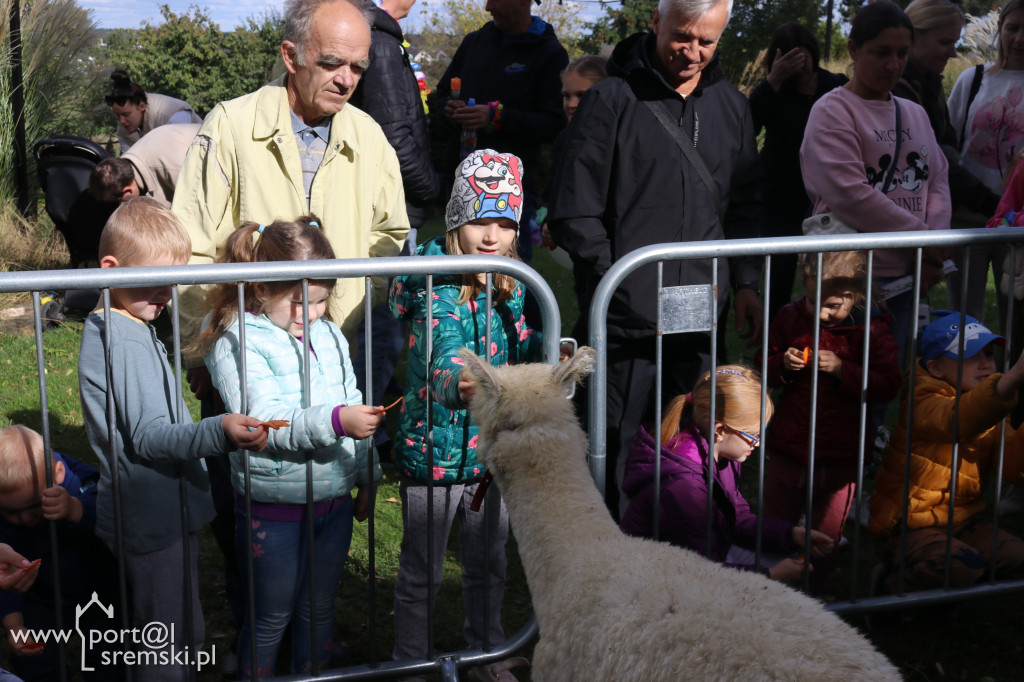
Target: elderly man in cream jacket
<point>292,148</point>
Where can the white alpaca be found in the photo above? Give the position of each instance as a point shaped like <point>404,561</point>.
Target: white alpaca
<point>615,607</point>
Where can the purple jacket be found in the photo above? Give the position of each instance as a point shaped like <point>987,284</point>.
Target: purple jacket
<point>684,498</point>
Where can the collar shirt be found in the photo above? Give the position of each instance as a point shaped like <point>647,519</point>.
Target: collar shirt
<point>312,143</point>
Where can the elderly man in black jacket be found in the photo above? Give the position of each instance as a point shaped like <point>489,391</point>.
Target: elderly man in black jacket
<point>625,181</point>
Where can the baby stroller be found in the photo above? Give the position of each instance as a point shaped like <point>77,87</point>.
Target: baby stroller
<point>63,165</point>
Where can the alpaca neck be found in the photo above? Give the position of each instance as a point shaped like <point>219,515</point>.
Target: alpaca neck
<point>558,516</point>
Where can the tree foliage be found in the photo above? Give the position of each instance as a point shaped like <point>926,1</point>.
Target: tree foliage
<point>56,37</point>
<point>189,57</point>
<point>632,16</point>
<point>752,24</point>
<point>449,23</point>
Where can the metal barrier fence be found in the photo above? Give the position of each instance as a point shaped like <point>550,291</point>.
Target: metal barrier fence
<point>447,664</point>
<point>692,309</point>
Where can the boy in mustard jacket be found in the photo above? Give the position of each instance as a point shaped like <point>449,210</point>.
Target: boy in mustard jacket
<point>985,401</point>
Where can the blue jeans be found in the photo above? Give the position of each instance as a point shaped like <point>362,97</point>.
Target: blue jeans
<point>281,586</point>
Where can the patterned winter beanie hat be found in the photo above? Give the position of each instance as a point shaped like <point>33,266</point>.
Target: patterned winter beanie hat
<point>487,184</point>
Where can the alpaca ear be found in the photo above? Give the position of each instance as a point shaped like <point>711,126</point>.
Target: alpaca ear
<point>575,368</point>
<point>479,371</point>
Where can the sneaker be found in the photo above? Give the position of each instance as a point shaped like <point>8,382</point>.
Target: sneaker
<point>881,439</point>
<point>1012,501</point>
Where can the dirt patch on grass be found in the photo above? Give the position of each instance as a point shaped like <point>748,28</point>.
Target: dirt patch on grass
<point>26,244</point>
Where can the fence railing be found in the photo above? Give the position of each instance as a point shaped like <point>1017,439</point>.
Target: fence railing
<point>693,310</point>
<point>445,663</point>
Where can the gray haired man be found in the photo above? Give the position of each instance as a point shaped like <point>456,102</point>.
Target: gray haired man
<point>661,151</point>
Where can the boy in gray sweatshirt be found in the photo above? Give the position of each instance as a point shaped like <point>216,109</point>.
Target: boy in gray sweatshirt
<point>154,444</point>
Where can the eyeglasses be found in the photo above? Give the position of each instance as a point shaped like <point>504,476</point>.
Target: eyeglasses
<point>751,440</point>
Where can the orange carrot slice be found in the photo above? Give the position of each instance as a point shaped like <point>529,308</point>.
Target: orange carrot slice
<point>275,424</point>
<point>394,403</point>
<point>33,647</point>
<point>32,565</point>
<point>807,354</point>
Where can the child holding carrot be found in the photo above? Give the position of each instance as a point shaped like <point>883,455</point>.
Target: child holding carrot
<point>482,218</point>
<point>322,426</point>
<point>839,366</point>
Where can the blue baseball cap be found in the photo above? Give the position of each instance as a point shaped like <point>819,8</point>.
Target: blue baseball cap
<point>942,337</point>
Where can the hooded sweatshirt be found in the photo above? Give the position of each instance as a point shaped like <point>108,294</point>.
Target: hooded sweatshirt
<point>521,71</point>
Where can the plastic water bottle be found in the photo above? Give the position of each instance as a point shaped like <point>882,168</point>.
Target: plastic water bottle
<point>467,142</point>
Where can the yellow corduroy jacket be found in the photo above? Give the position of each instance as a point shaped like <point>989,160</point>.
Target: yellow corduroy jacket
<point>244,165</point>
<point>931,455</point>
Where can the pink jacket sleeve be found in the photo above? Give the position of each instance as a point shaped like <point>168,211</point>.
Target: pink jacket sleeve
<point>1013,200</point>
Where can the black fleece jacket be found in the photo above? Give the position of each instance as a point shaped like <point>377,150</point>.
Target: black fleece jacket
<point>622,182</point>
<point>521,71</point>
<point>388,92</point>
<point>783,115</point>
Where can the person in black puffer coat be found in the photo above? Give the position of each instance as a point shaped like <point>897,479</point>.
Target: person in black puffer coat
<point>389,93</point>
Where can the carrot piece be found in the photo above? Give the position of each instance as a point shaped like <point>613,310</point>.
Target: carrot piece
<point>275,424</point>
<point>394,403</point>
<point>32,565</point>
<point>807,354</point>
<point>33,647</point>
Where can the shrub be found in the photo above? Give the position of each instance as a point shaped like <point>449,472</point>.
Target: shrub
<point>56,35</point>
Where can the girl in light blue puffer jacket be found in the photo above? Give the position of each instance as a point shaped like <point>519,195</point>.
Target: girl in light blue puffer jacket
<point>322,428</point>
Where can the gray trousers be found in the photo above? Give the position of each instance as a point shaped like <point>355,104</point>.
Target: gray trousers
<point>483,564</point>
<point>157,586</point>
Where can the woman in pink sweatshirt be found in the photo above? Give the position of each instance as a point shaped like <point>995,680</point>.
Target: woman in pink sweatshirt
<point>847,156</point>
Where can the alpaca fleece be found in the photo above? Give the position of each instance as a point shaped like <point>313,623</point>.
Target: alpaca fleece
<point>614,607</point>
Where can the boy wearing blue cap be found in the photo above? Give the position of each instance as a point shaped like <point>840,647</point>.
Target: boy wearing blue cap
<point>986,398</point>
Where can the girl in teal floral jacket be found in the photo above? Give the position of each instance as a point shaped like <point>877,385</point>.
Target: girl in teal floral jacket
<point>482,218</point>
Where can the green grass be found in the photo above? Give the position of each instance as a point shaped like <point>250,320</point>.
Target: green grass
<point>977,640</point>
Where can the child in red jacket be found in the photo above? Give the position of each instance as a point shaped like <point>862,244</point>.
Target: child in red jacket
<point>838,362</point>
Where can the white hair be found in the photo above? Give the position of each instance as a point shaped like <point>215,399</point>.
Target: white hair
<point>690,9</point>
